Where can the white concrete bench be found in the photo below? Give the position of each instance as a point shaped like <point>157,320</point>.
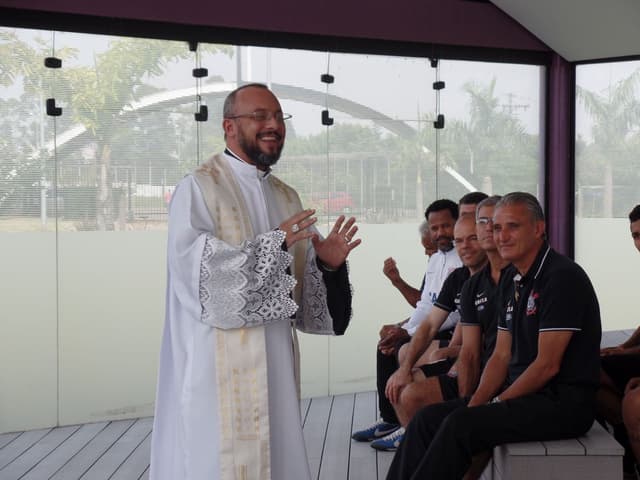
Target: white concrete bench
<point>594,456</point>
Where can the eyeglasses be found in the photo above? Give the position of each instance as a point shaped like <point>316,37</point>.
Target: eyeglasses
<point>484,221</point>
<point>263,116</point>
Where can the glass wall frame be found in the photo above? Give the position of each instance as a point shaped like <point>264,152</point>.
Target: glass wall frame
<point>96,209</point>
<point>607,146</point>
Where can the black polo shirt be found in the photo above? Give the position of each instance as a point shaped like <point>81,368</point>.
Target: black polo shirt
<point>479,303</point>
<point>555,294</point>
<point>449,296</point>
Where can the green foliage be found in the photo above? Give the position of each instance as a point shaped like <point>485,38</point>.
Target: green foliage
<point>608,167</point>
<point>98,97</point>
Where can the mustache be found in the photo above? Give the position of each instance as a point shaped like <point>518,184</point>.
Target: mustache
<point>270,134</point>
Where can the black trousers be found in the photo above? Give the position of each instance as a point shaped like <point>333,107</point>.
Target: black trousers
<point>386,365</point>
<point>442,438</point>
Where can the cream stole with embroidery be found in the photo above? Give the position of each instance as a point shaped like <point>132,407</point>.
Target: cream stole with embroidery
<point>241,360</point>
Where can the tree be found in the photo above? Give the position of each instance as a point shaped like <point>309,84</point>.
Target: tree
<point>492,146</point>
<point>612,157</point>
<point>96,97</point>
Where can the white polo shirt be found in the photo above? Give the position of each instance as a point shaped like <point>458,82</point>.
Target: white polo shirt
<point>440,265</point>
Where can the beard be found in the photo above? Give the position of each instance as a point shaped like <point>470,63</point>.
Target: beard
<point>252,150</point>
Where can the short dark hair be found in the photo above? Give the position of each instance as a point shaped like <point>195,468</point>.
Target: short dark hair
<point>634,215</point>
<point>442,204</point>
<point>488,202</point>
<point>228,109</point>
<point>472,198</point>
<point>523,198</point>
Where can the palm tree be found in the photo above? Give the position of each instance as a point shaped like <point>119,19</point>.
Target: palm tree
<point>616,118</point>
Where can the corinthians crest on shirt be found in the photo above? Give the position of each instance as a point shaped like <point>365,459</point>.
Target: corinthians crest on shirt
<point>532,308</point>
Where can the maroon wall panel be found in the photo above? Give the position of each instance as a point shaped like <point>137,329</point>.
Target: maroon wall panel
<point>448,22</point>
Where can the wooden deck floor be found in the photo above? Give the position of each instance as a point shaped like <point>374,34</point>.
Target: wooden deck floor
<point>119,450</point>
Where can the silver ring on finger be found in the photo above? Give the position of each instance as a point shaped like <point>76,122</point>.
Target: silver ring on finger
<point>295,228</point>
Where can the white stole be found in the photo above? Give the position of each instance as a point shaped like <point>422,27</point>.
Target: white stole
<point>241,361</point>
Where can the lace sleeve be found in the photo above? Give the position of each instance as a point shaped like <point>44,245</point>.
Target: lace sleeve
<point>246,286</point>
<point>314,316</point>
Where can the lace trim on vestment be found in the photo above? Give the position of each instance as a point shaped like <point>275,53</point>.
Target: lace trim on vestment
<point>314,316</point>
<point>246,286</point>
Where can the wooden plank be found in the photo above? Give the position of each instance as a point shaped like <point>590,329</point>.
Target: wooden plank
<point>363,463</point>
<point>65,451</point>
<point>93,450</point>
<point>568,447</point>
<point>137,463</point>
<point>335,457</point>
<point>304,409</point>
<point>524,449</point>
<point>115,456</point>
<point>145,475</point>
<point>598,441</point>
<point>314,431</point>
<point>384,462</point>
<point>383,459</point>
<point>31,457</point>
<point>6,438</point>
<point>20,444</point>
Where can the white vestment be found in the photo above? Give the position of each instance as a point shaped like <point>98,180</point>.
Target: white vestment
<point>227,301</point>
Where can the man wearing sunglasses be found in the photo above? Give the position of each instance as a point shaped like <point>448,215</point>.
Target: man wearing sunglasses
<point>245,265</point>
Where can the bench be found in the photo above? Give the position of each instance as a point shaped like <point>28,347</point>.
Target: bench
<point>594,456</point>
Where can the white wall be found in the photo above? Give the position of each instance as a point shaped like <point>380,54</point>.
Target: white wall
<point>605,250</point>
<point>100,355</point>
<point>97,360</point>
<point>28,326</point>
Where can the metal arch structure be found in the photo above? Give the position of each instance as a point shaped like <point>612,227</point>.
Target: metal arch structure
<point>170,98</point>
<point>222,89</point>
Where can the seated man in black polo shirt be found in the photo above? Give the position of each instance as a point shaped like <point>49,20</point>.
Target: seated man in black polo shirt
<point>477,305</point>
<point>540,381</point>
<point>473,259</point>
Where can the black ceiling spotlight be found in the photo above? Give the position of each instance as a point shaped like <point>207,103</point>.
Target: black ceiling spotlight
<point>202,115</point>
<point>326,119</point>
<point>434,62</point>
<point>439,85</point>
<point>439,123</point>
<point>193,45</point>
<point>52,62</point>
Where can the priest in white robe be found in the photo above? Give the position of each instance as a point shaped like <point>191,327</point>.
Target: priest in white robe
<point>246,267</point>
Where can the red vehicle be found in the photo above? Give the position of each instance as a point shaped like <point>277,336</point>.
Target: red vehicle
<point>332,202</point>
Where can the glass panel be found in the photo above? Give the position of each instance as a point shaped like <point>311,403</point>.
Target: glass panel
<point>129,135</point>
<point>91,187</point>
<point>607,178</point>
<point>28,329</point>
<point>491,141</point>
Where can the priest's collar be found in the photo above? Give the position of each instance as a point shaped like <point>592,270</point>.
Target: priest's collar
<point>247,167</point>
